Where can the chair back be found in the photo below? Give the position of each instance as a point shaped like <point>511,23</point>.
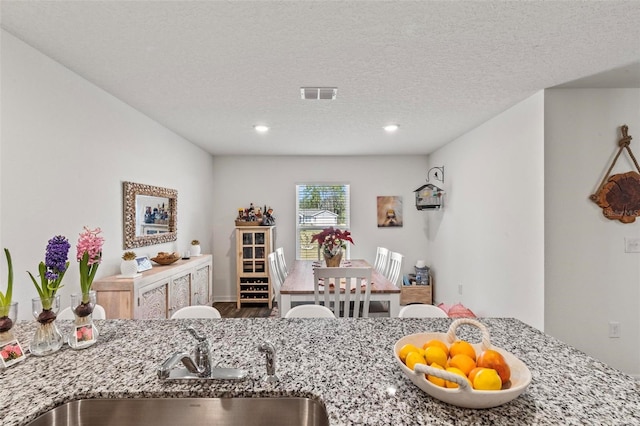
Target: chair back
<point>309,311</point>
<point>382,260</point>
<point>276,280</point>
<point>282,263</point>
<point>349,284</point>
<point>395,264</point>
<point>99,312</point>
<point>67,314</point>
<point>421,311</point>
<point>199,311</point>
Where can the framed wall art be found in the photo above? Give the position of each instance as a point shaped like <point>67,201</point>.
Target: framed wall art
<point>389,211</point>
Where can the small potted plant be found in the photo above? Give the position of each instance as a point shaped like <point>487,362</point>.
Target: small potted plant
<point>10,350</point>
<point>8,310</point>
<point>332,242</point>
<point>129,266</point>
<point>45,307</point>
<point>89,256</point>
<point>195,248</point>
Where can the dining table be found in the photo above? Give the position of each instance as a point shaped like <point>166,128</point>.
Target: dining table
<point>298,286</point>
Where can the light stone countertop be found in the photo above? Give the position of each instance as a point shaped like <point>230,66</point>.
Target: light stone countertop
<point>345,363</point>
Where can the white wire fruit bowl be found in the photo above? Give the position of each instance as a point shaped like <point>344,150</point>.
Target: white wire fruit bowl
<point>464,395</point>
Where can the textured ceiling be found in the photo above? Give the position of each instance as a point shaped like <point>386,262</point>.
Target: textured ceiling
<point>210,70</point>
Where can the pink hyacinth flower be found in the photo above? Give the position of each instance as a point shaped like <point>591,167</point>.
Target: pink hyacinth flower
<point>91,242</point>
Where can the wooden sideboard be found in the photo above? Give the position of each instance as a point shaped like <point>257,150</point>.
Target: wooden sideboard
<point>159,292</point>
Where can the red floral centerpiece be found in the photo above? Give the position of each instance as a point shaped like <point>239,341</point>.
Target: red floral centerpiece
<point>332,241</point>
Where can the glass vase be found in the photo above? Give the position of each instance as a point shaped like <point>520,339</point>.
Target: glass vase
<point>8,317</point>
<point>47,338</point>
<point>84,332</point>
<point>10,348</point>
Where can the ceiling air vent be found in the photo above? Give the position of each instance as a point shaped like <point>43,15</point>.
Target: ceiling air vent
<point>318,93</point>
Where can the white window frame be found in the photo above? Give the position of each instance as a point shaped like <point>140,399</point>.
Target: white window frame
<point>307,225</point>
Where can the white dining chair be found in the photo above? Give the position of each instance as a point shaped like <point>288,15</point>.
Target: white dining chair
<point>99,312</point>
<point>395,265</point>
<point>421,311</point>
<point>382,260</point>
<point>309,311</point>
<point>276,279</point>
<point>198,311</point>
<point>282,263</point>
<point>346,280</point>
<point>67,314</point>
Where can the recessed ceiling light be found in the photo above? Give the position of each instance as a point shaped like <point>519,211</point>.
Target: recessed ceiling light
<point>261,128</point>
<point>391,128</point>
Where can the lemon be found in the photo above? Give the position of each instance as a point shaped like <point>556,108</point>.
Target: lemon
<point>436,380</point>
<point>456,371</point>
<point>414,358</point>
<point>435,354</point>
<point>438,343</point>
<point>487,379</point>
<point>404,351</point>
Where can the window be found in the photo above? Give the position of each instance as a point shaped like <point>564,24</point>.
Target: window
<point>318,207</point>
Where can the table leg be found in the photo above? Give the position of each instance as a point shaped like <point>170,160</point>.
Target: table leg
<point>394,305</point>
<point>285,300</point>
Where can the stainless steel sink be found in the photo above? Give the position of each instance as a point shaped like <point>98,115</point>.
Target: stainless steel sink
<point>187,411</point>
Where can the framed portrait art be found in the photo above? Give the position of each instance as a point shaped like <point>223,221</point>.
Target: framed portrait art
<point>389,211</point>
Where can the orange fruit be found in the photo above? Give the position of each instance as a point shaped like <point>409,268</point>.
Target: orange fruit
<point>487,379</point>
<point>462,347</point>
<point>404,351</point>
<point>414,358</point>
<point>438,343</point>
<point>494,359</point>
<point>472,373</point>
<point>456,371</point>
<point>435,354</point>
<point>463,362</point>
<point>436,380</point>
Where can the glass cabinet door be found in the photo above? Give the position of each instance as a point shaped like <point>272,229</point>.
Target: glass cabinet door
<point>254,245</point>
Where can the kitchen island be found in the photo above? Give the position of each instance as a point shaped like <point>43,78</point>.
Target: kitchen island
<point>347,364</point>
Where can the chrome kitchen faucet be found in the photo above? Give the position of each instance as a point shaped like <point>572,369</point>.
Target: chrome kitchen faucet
<point>198,367</point>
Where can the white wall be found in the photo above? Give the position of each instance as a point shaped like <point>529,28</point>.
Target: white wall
<point>489,235</point>
<point>589,278</point>
<point>66,148</point>
<point>239,181</point>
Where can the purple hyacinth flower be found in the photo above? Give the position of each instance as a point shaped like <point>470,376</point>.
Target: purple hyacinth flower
<point>51,276</point>
<point>56,256</point>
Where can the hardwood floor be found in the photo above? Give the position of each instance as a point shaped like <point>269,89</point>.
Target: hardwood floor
<point>229,310</point>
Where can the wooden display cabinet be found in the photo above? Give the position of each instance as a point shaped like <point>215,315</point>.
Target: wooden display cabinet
<point>253,245</point>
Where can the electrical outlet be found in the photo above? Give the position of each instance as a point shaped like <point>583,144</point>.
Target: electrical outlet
<point>460,289</point>
<point>614,329</point>
<point>631,245</point>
